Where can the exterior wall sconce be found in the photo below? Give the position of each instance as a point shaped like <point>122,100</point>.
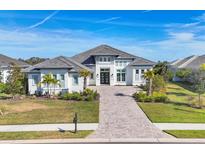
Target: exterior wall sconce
<point>97,75</point>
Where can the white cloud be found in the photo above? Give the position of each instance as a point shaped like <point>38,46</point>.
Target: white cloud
<point>183,36</point>
<point>200,18</point>
<point>43,21</point>
<point>108,20</point>
<point>67,42</point>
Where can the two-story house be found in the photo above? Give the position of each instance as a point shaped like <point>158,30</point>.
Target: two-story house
<point>112,66</point>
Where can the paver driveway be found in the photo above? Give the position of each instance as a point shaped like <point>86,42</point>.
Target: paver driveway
<point>120,116</point>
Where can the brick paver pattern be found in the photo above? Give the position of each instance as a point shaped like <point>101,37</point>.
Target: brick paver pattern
<point>121,117</point>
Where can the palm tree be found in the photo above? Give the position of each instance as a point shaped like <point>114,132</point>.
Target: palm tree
<point>149,75</point>
<point>84,73</point>
<point>47,81</point>
<point>55,83</point>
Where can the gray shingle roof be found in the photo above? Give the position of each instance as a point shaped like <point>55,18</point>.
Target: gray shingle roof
<point>191,62</point>
<point>87,56</point>
<point>60,62</point>
<point>179,62</point>
<point>6,61</point>
<point>141,61</point>
<point>195,64</point>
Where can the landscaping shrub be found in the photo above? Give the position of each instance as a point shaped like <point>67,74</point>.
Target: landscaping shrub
<point>72,96</point>
<point>76,96</point>
<point>156,97</point>
<point>159,84</point>
<point>2,87</point>
<point>184,73</point>
<point>140,96</point>
<point>159,97</point>
<point>86,95</point>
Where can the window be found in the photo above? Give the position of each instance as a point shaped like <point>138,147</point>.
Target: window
<point>91,76</point>
<point>105,59</point>
<point>137,77</point>
<point>75,79</point>
<point>54,76</point>
<point>117,63</point>
<point>121,75</point>
<point>34,79</point>
<point>142,72</point>
<point>62,80</point>
<point>120,63</point>
<point>62,77</point>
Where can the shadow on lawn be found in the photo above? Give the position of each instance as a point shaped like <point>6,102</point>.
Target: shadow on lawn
<point>185,85</point>
<point>177,93</point>
<point>179,104</point>
<point>190,111</point>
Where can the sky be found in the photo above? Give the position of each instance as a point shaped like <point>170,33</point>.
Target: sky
<point>155,35</point>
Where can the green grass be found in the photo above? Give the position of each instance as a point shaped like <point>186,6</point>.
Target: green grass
<point>42,135</point>
<point>31,111</point>
<point>171,113</point>
<point>5,96</point>
<point>177,110</point>
<point>187,133</point>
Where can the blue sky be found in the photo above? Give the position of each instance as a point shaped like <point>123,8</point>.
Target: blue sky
<point>156,35</point>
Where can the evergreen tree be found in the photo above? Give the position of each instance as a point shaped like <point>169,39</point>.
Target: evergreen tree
<point>15,81</point>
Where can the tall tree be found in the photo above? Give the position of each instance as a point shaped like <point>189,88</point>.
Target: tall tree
<point>84,73</point>
<point>161,68</point>
<point>15,80</point>
<point>149,75</point>
<point>33,60</point>
<point>198,78</point>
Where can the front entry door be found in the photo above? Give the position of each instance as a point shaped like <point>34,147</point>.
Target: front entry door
<point>104,76</point>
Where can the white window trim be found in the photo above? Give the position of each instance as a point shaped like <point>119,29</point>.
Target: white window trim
<point>73,83</point>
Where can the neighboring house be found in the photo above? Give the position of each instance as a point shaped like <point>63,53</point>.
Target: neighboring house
<point>6,63</point>
<point>108,66</point>
<point>192,62</point>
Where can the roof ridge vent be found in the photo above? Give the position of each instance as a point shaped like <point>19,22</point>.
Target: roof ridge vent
<point>188,62</point>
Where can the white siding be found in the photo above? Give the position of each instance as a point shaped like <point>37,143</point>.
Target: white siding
<point>32,88</point>
<point>139,80</point>
<point>68,86</point>
<point>5,74</point>
<point>71,86</point>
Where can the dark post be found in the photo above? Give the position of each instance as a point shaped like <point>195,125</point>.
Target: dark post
<point>75,120</point>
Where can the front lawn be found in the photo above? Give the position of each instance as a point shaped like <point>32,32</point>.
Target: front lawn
<point>177,110</point>
<point>187,133</point>
<point>35,111</point>
<point>43,135</point>
<point>172,113</point>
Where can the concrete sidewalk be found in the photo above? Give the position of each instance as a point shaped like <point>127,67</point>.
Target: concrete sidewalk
<point>180,126</point>
<point>107,141</point>
<point>47,127</point>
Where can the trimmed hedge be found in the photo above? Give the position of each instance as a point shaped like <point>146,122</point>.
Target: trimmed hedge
<point>156,97</point>
<point>86,95</point>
